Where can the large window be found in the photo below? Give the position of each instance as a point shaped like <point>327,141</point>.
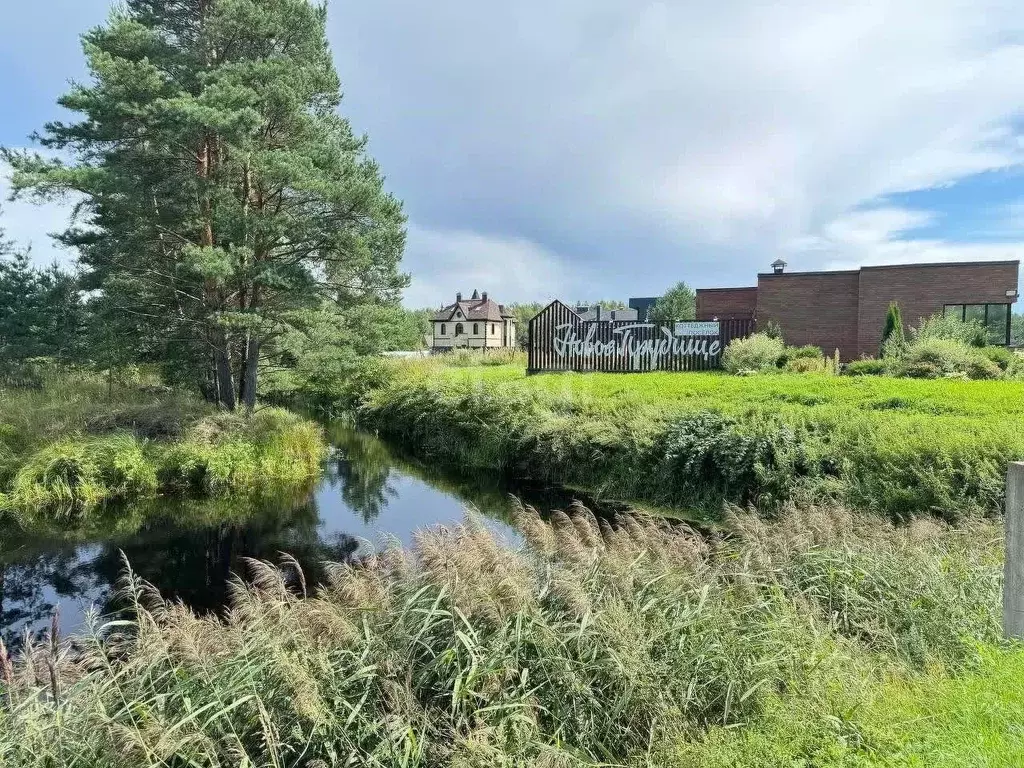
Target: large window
<point>458,329</point>
<point>995,318</point>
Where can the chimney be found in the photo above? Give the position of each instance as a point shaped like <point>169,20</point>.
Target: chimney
<point>484,296</point>
<point>778,266</point>
<point>458,297</point>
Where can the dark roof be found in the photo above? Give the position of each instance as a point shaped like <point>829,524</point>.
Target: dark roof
<point>474,309</point>
<point>1003,263</point>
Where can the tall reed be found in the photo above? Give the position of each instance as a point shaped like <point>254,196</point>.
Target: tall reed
<point>593,642</point>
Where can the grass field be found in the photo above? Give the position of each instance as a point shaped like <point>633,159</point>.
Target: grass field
<point>73,444</point>
<point>898,447</point>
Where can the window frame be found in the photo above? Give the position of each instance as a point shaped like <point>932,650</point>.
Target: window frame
<point>963,316</point>
<point>476,329</point>
<point>458,329</point>
<point>443,330</point>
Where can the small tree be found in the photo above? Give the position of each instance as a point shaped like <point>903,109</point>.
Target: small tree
<point>773,330</point>
<point>678,303</point>
<point>892,335</point>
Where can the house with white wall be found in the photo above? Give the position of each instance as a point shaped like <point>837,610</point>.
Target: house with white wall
<point>477,323</point>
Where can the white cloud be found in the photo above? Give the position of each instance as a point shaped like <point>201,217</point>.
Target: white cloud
<point>509,269</point>
<point>865,238</point>
<point>614,147</point>
<point>29,225</point>
<point>691,140</point>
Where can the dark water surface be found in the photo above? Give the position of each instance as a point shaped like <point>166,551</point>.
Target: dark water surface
<point>368,494</point>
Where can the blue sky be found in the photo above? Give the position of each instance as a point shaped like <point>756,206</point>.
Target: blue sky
<point>608,148</point>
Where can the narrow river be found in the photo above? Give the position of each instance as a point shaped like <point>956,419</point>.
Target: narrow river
<point>368,495</point>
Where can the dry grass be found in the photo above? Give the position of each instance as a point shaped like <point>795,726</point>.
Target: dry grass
<point>595,642</point>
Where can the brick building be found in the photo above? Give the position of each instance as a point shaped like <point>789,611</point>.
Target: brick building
<point>845,310</point>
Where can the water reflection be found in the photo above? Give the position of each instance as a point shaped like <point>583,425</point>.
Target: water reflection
<point>188,550</point>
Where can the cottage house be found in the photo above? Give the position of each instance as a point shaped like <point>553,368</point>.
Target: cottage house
<point>479,323</point>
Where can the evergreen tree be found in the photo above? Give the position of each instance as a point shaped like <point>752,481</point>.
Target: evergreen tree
<point>678,304</point>
<point>892,334</point>
<point>224,196</point>
<point>41,313</point>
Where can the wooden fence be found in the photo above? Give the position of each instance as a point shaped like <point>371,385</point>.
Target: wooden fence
<point>557,322</point>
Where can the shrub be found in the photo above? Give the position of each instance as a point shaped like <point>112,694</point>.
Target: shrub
<point>758,352</point>
<point>983,368</point>
<point>808,365</point>
<point>707,454</point>
<point>228,453</point>
<point>892,333</point>
<point>1001,356</point>
<point>932,357</point>
<point>950,329</point>
<point>772,330</point>
<point>808,351</point>
<point>866,367</point>
<point>73,475</point>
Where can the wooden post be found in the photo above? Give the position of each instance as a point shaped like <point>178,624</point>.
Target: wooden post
<point>1013,569</point>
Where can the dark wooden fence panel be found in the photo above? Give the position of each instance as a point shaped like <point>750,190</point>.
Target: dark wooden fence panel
<point>559,321</point>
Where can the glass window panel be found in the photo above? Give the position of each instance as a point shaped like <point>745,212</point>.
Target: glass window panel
<point>996,325</point>
<point>954,310</point>
<point>975,312</point>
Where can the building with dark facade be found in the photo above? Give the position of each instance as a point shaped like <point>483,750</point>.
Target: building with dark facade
<point>643,306</point>
<point>845,310</point>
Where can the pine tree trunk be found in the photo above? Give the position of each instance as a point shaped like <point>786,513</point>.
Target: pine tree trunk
<point>252,362</point>
<point>225,382</point>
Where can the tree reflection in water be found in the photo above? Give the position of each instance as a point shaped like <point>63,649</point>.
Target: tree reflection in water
<point>189,549</point>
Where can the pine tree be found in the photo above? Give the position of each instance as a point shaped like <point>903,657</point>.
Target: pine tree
<point>223,193</point>
<point>41,312</point>
<point>678,304</point>
<point>892,334</point>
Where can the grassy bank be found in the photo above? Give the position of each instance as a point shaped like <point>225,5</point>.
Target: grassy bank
<point>73,444</point>
<point>824,639</point>
<point>897,447</point>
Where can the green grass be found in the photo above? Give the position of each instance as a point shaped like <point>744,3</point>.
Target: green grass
<point>898,447</point>
<point>73,445</point>
<point>782,645</point>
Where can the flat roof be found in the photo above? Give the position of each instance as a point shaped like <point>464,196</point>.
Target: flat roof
<point>715,290</point>
<point>1001,263</point>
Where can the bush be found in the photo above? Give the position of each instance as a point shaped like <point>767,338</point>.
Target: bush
<point>950,329</point>
<point>808,351</point>
<point>72,476</point>
<point>932,357</point>
<point>808,365</point>
<point>772,330</point>
<point>758,352</point>
<point>866,367</point>
<point>1001,356</point>
<point>892,333</point>
<point>709,454</point>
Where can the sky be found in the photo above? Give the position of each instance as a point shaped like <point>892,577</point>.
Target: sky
<point>586,149</point>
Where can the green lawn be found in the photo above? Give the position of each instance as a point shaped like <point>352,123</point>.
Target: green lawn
<point>677,392</point>
<point>896,446</point>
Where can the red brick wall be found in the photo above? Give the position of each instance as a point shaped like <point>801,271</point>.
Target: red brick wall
<point>726,303</point>
<point>817,308</point>
<point>922,290</point>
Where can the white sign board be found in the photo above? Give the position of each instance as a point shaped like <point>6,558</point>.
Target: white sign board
<point>698,329</point>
